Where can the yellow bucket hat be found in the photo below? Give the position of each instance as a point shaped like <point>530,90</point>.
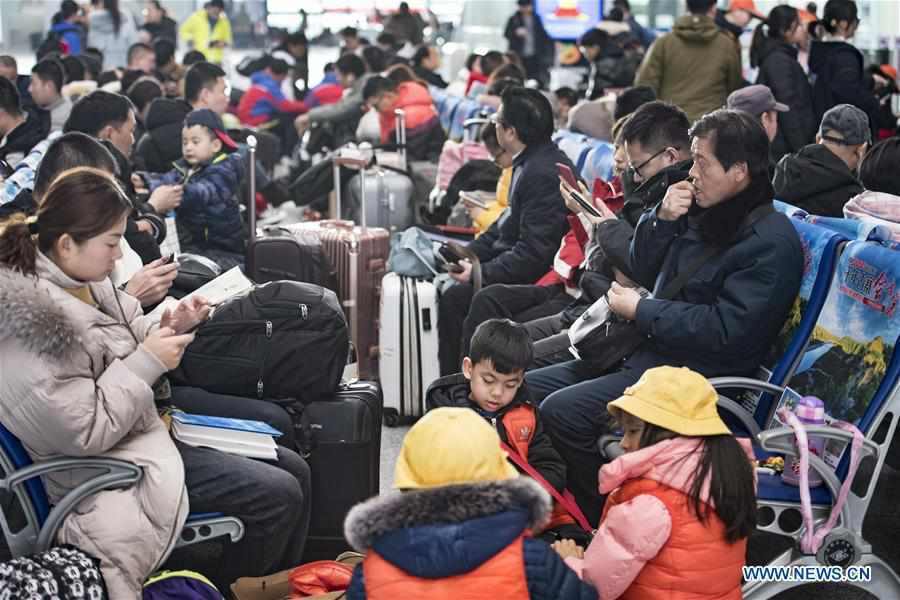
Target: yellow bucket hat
<point>450,446</point>
<point>674,398</point>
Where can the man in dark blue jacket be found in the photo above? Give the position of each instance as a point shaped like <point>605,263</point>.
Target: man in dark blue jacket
<point>746,263</point>
<point>519,246</point>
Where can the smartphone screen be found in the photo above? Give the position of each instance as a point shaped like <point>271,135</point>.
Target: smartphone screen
<point>566,175</point>
<point>587,206</point>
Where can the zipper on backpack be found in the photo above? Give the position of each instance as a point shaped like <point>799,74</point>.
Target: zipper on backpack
<point>268,329</point>
<point>304,312</point>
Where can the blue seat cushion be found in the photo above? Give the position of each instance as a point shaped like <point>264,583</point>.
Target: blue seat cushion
<point>770,487</point>
<point>194,517</point>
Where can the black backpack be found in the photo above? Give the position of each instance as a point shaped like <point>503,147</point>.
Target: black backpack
<point>280,340</point>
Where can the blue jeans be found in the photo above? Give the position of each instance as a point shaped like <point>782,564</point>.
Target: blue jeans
<point>573,398</point>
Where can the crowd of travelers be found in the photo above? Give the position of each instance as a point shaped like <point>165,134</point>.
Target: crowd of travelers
<point>110,139</point>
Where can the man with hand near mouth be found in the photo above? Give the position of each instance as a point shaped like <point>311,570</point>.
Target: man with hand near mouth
<point>737,266</point>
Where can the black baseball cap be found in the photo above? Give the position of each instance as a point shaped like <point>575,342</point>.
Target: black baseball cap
<point>212,121</point>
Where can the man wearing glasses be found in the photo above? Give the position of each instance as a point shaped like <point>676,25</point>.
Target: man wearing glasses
<point>519,247</point>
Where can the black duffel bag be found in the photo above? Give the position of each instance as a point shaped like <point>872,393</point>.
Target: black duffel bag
<point>280,340</point>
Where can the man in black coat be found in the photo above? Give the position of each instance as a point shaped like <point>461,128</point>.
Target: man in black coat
<point>519,246</point>
<point>20,129</point>
<point>821,177</point>
<point>744,263</point>
<point>548,310</point>
<point>528,38</point>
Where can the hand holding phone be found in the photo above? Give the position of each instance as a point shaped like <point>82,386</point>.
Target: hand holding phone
<point>566,174</point>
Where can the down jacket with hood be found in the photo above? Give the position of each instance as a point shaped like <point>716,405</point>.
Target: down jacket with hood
<point>650,543</point>
<point>160,146</point>
<point>782,73</point>
<point>694,67</point>
<point>455,390</point>
<point>76,383</point>
<point>424,134</point>
<point>459,541</point>
<point>816,180</point>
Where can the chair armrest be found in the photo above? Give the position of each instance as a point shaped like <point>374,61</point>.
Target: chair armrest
<point>782,440</point>
<point>735,409</point>
<point>118,474</point>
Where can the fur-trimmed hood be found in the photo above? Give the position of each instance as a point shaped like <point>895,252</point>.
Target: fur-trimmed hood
<point>449,530</point>
<point>30,315</point>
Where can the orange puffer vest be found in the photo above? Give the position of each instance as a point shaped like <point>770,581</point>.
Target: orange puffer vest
<point>696,560</point>
<point>504,571</point>
<point>519,423</point>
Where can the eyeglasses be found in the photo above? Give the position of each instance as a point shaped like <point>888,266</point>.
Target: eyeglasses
<point>637,169</point>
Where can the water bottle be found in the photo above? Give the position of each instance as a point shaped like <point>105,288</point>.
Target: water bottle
<point>810,411</point>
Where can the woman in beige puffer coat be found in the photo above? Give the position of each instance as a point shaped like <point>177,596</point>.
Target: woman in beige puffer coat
<point>78,361</point>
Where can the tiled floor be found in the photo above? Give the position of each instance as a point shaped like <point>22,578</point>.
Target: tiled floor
<point>391,440</point>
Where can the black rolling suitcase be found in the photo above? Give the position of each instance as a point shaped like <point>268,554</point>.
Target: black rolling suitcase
<point>341,441</point>
<point>280,254</point>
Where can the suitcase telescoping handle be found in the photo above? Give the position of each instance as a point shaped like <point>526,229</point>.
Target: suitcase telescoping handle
<point>400,129</point>
<point>251,204</point>
<point>355,163</point>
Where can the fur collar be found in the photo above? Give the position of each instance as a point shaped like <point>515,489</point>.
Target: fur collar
<point>370,520</point>
<point>29,314</point>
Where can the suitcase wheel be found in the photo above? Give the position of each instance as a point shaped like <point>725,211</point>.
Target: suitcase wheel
<point>391,417</point>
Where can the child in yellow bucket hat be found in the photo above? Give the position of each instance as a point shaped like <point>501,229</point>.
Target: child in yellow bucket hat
<point>681,502</point>
<point>459,523</point>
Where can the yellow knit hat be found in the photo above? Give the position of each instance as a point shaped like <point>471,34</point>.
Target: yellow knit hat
<point>450,446</point>
<point>674,398</point>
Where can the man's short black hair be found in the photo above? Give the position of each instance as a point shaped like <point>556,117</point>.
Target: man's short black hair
<point>137,49</point>
<point>501,85</point>
<point>68,9</point>
<point>97,110</point>
<point>164,50</point>
<point>657,125</point>
<point>74,68</point>
<point>529,113</point>
<point>9,62</point>
<point>351,64</point>
<point>9,97</point>
<point>68,151</point>
<point>567,94</point>
<point>632,99</point>
<point>94,53</point>
<point>491,61</point>
<point>509,71</point>
<point>700,7</point>
<point>504,343</point>
<point>50,69</point>
<point>737,137</point>
<point>878,170</point>
<point>375,58</point>
<point>350,32</point>
<point>200,76</point>
<point>279,66</point>
<point>129,77</point>
<point>144,91</point>
<point>192,57</point>
<point>594,37</point>
<point>377,85</point>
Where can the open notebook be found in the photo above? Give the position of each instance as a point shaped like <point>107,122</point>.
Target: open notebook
<point>253,439</point>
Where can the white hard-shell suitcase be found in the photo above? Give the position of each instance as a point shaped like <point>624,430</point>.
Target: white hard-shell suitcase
<point>408,345</point>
